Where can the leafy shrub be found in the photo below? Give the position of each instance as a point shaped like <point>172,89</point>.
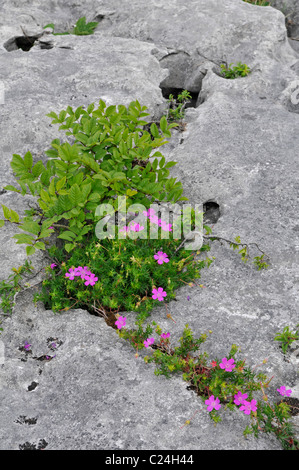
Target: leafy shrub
<point>110,157</point>
<point>240,70</point>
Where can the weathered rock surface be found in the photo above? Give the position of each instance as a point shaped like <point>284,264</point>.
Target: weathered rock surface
<point>239,149</point>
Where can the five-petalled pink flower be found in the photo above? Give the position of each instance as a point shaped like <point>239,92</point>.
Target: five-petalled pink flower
<point>121,322</point>
<point>161,257</point>
<point>228,365</point>
<point>159,294</point>
<point>213,403</point>
<point>148,342</point>
<point>285,393</point>
<point>239,398</point>
<point>248,406</point>
<point>165,335</point>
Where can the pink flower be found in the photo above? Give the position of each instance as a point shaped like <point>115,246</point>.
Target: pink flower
<point>148,213</point>
<point>121,322</point>
<point>239,398</point>
<point>248,406</point>
<point>165,335</point>
<point>27,346</point>
<point>154,219</point>
<point>136,227</point>
<point>148,342</point>
<point>214,364</point>
<point>166,227</point>
<point>53,265</point>
<point>158,294</point>
<point>228,365</point>
<point>71,274</point>
<point>282,390</point>
<point>82,272</point>
<point>213,403</point>
<point>161,257</point>
<point>90,280</point>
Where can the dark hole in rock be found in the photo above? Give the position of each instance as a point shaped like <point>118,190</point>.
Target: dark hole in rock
<point>99,17</point>
<point>293,403</point>
<point>28,446</point>
<point>21,42</point>
<point>211,212</point>
<point>2,191</point>
<point>54,340</point>
<point>48,45</point>
<point>24,420</point>
<point>109,316</point>
<point>32,386</point>
<point>176,92</point>
<point>44,357</point>
<point>291,26</point>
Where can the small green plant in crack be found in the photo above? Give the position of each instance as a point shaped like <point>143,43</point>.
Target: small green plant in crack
<point>81,28</point>
<point>259,261</point>
<point>287,337</point>
<point>261,3</point>
<point>13,284</point>
<point>239,70</point>
<point>176,106</point>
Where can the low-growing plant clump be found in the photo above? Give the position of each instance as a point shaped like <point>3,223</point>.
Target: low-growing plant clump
<point>225,382</point>
<point>112,275</point>
<point>81,28</point>
<point>287,337</point>
<point>176,106</point>
<point>239,70</point>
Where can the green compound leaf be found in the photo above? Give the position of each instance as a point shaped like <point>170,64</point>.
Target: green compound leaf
<point>154,130</point>
<point>75,195</point>
<point>163,124</point>
<point>70,246</point>
<point>14,217</point>
<point>6,211</point>
<point>9,187</point>
<point>67,236</point>
<point>40,245</point>
<point>23,238</point>
<point>28,160</point>
<point>32,227</point>
<point>30,250</point>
